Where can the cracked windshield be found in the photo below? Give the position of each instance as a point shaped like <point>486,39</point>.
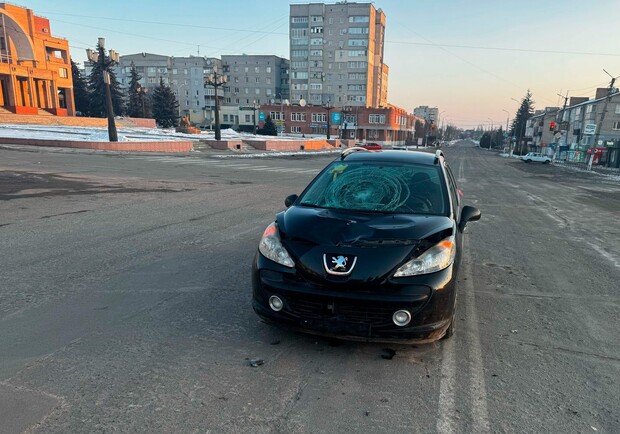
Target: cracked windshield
<point>304,217</point>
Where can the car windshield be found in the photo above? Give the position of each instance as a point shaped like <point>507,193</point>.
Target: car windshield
<point>378,187</point>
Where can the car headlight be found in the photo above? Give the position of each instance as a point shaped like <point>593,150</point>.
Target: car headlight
<point>438,257</point>
<point>271,247</point>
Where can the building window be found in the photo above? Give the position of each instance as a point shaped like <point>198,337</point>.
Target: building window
<point>357,53</point>
<point>618,109</point>
<point>358,43</point>
<point>316,53</point>
<point>316,41</point>
<point>296,20</point>
<point>357,76</point>
<point>225,118</point>
<point>373,134</point>
<point>316,30</point>
<point>296,129</point>
<point>356,87</point>
<point>298,53</point>
<point>248,118</point>
<point>63,73</point>
<point>376,119</point>
<point>268,69</point>
<point>276,116</point>
<point>298,33</point>
<point>298,117</point>
<point>316,18</point>
<point>257,91</point>
<point>617,125</point>
<point>589,108</point>
<point>316,86</point>
<point>359,19</point>
<point>257,69</point>
<point>299,41</point>
<point>300,75</point>
<point>358,30</point>
<point>319,117</point>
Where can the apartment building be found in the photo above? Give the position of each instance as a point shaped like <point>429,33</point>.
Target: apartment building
<point>541,128</point>
<point>184,75</point>
<point>252,80</point>
<point>591,127</point>
<point>427,113</point>
<point>35,67</point>
<point>336,54</point>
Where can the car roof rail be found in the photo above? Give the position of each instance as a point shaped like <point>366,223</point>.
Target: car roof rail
<point>438,155</point>
<point>349,151</point>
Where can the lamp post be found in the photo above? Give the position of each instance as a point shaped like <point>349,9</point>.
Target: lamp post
<point>254,106</point>
<point>345,111</point>
<point>329,108</point>
<point>142,93</point>
<point>282,117</point>
<point>216,80</point>
<point>100,57</point>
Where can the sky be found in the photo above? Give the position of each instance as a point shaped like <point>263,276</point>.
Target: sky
<point>469,58</point>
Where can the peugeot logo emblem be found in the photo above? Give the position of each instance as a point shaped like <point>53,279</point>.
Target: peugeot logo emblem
<point>339,265</point>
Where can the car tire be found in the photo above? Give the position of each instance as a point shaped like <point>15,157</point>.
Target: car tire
<point>546,162</point>
<point>451,328</point>
<point>528,161</point>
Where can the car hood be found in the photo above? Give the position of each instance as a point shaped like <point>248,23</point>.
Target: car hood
<point>380,242</point>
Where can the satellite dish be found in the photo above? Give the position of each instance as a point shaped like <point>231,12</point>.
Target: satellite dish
<point>302,102</point>
<point>286,102</point>
<point>272,100</point>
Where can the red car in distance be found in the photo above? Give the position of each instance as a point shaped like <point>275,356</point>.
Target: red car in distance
<point>371,146</point>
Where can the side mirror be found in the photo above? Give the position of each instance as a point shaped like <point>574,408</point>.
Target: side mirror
<point>290,200</point>
<point>468,214</point>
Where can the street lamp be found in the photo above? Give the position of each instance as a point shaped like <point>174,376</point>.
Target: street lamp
<point>345,111</point>
<point>254,106</point>
<point>142,93</point>
<point>282,117</point>
<point>100,57</point>
<point>216,80</point>
<point>329,108</point>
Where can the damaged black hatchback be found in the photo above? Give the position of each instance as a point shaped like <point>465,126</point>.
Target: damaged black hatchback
<point>369,251</point>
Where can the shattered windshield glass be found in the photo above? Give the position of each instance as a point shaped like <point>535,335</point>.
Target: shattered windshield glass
<point>374,187</point>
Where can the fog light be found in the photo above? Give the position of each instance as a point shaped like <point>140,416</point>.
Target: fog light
<point>276,303</point>
<point>401,318</point>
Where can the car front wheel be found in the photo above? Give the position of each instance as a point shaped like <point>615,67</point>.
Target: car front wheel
<point>450,329</point>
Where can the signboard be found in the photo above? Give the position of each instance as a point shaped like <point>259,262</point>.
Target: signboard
<point>589,130</point>
<point>261,116</point>
<point>336,117</point>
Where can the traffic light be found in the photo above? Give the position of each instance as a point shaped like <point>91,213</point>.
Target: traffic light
<point>552,126</point>
<point>432,125</point>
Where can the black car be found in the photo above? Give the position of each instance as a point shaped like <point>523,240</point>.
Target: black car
<point>369,251</point>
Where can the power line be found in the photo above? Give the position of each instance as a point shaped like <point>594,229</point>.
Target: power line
<point>522,50</point>
<point>161,23</point>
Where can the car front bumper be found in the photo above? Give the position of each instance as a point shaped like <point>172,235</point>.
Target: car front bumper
<point>365,314</point>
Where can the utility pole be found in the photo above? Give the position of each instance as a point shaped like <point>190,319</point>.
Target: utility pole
<point>254,117</point>
<point>600,124</point>
<point>216,80</point>
<point>100,57</point>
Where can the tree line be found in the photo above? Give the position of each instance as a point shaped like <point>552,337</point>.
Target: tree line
<point>132,101</point>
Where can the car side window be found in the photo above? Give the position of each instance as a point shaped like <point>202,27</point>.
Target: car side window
<point>454,193</point>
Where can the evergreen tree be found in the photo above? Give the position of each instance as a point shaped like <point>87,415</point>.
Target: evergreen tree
<point>485,140</point>
<point>269,129</point>
<point>96,86</point>
<point>524,112</point>
<point>165,106</point>
<point>80,90</point>
<point>138,105</point>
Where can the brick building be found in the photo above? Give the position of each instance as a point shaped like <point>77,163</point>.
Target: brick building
<point>35,67</point>
<point>389,125</point>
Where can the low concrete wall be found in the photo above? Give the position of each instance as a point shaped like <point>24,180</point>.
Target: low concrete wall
<point>168,146</point>
<point>223,144</point>
<point>289,145</point>
<point>141,122</point>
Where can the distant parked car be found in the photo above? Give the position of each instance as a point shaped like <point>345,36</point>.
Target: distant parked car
<point>536,157</point>
<point>372,146</point>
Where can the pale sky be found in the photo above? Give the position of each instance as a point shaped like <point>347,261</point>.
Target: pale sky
<point>467,57</point>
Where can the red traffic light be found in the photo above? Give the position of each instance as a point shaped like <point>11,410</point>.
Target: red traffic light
<point>552,126</point>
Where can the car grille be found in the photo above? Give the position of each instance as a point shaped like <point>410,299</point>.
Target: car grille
<point>345,310</point>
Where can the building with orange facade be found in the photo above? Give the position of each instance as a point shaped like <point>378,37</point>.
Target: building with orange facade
<point>35,67</point>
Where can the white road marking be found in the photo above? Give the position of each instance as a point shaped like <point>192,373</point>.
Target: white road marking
<point>478,392</point>
<point>605,254</point>
<point>447,390</point>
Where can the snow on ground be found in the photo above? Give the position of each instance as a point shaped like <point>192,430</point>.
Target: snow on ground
<point>98,134</point>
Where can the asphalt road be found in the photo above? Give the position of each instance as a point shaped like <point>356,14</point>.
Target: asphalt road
<point>125,305</point>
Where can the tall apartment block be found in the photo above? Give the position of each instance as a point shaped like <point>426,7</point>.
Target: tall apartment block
<point>255,79</point>
<point>336,54</point>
